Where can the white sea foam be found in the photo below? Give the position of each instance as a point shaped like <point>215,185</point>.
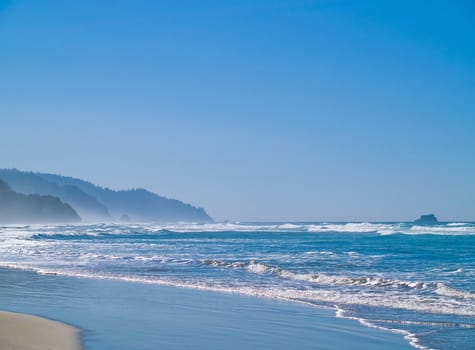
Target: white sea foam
<point>342,270</point>
<point>442,289</point>
<point>385,284</point>
<point>315,296</point>
<point>258,268</point>
<point>348,227</point>
<point>411,338</point>
<point>447,230</point>
<point>355,227</point>
<point>289,227</point>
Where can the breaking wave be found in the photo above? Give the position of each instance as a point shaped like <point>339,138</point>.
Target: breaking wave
<point>387,268</point>
<point>341,280</point>
<point>147,230</point>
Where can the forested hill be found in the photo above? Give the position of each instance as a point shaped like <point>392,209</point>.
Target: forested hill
<point>95,203</point>
<point>22,208</point>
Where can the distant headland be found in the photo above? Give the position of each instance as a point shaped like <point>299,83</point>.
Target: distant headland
<point>93,203</point>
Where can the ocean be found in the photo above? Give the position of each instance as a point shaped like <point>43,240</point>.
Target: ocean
<point>414,281</point>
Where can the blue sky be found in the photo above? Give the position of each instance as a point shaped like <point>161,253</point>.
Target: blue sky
<point>255,110</point>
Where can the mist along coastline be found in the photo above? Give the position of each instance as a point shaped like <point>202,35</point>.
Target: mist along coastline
<point>267,174</point>
<point>122,282</point>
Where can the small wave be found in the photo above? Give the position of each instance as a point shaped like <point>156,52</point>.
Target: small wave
<point>289,227</point>
<point>323,252</point>
<point>442,289</point>
<point>97,235</point>
<point>216,263</point>
<point>363,227</point>
<point>457,224</point>
<point>64,232</point>
<point>411,338</point>
<point>15,227</point>
<point>259,268</point>
<point>442,230</point>
<point>316,297</point>
<point>322,278</point>
<point>429,323</point>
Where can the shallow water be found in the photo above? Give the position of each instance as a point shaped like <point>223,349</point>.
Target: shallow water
<point>418,281</point>
<point>129,316</point>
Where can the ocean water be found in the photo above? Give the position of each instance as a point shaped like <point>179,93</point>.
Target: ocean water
<point>417,281</point>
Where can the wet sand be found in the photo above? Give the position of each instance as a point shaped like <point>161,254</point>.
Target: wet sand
<point>124,316</point>
<point>27,332</point>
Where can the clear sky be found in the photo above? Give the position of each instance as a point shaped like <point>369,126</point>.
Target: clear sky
<point>254,110</point>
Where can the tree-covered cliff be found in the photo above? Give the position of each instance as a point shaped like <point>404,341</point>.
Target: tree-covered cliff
<point>21,208</point>
<point>95,203</point>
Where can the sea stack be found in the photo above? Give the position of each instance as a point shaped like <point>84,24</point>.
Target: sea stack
<point>428,219</point>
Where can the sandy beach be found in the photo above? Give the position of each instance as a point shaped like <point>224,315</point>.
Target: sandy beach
<point>27,332</point>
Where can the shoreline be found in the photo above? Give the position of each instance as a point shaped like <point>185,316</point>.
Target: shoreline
<point>19,331</point>
<point>185,318</point>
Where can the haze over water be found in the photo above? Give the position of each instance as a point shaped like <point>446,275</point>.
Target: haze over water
<point>248,110</point>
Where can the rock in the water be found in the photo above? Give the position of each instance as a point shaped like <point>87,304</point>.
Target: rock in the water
<point>428,219</point>
<point>124,218</point>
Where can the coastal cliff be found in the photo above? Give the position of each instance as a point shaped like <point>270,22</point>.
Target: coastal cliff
<point>21,208</point>
<point>101,204</point>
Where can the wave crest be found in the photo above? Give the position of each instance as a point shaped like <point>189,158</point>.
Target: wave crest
<point>341,280</point>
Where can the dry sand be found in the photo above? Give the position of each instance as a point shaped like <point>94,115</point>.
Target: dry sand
<point>26,332</point>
